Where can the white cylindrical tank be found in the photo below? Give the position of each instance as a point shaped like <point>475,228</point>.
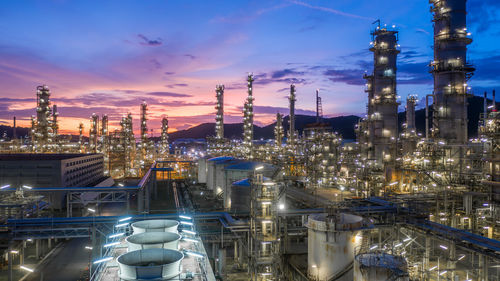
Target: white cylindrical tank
<point>331,242</point>
<point>150,264</point>
<point>155,226</point>
<point>380,267</point>
<point>150,240</point>
<point>202,170</point>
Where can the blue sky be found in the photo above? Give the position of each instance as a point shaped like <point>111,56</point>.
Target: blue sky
<point>108,56</point>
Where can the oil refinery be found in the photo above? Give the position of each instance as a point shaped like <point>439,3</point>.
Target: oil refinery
<point>396,203</point>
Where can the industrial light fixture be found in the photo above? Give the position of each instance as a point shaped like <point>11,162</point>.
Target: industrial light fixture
<point>116,235</point>
<point>91,210</point>
<point>111,244</point>
<point>26,268</point>
<point>189,232</point>
<point>122,224</point>
<point>194,254</point>
<point>103,260</point>
<point>185,217</point>
<point>190,239</point>
<point>27,187</point>
<point>125,219</point>
<point>5,186</point>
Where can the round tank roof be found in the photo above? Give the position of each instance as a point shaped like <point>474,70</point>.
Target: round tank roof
<point>246,182</point>
<point>381,260</point>
<point>150,264</point>
<point>335,222</point>
<point>155,226</point>
<point>221,158</point>
<point>249,166</point>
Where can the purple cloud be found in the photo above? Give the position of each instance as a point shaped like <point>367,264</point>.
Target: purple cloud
<point>149,42</point>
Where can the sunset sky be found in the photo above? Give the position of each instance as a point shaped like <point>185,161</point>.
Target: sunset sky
<point>106,57</point>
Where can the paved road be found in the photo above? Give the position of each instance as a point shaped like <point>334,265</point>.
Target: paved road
<point>68,263</point>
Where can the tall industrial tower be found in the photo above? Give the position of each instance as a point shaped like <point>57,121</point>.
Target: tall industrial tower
<point>80,138</point>
<point>93,133</point>
<point>278,130</point>
<point>128,143</point>
<point>164,148</point>
<point>144,130</point>
<point>55,126</point>
<point>291,129</point>
<point>219,117</point>
<point>44,135</point>
<point>248,119</point>
<point>265,251</point>
<point>381,88</point>
<point>319,107</point>
<point>450,70</point>
<point>104,142</point>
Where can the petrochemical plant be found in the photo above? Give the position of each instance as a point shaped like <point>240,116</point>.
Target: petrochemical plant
<point>395,204</point>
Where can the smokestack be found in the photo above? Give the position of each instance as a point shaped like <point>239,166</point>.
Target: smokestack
<point>494,101</point>
<point>291,120</point>
<point>317,105</point>
<point>14,133</point>
<point>485,104</point>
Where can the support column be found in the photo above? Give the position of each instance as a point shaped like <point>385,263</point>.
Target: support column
<point>128,202</point>
<point>155,186</point>
<point>452,261</point>
<point>37,249</point>
<point>21,253</point>
<point>147,196</point>
<point>427,255</point>
<point>140,201</point>
<point>9,257</point>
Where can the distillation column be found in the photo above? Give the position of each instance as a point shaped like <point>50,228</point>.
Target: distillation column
<point>265,257</point>
<point>94,129</point>
<point>291,129</point>
<point>43,132</point>
<point>278,131</point>
<point>381,89</point>
<point>80,138</point>
<point>409,134</point>
<point>450,70</point>
<point>104,146</point>
<point>219,117</point>
<point>55,125</point>
<point>164,147</point>
<point>144,132</point>
<point>248,120</point>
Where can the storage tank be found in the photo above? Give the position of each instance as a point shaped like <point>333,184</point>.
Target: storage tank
<point>211,170</point>
<point>155,226</point>
<point>380,267</point>
<point>150,240</point>
<point>150,264</point>
<point>331,242</point>
<point>239,171</point>
<point>240,196</point>
<point>202,170</point>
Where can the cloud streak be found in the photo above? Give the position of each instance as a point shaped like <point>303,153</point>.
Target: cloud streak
<point>330,10</point>
<point>145,41</point>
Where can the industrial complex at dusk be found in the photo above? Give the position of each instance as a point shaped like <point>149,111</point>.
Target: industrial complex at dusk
<point>388,173</point>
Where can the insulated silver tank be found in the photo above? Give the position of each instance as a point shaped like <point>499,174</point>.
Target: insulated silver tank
<point>331,242</point>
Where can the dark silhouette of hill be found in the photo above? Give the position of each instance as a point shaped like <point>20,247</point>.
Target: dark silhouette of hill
<point>344,125</point>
